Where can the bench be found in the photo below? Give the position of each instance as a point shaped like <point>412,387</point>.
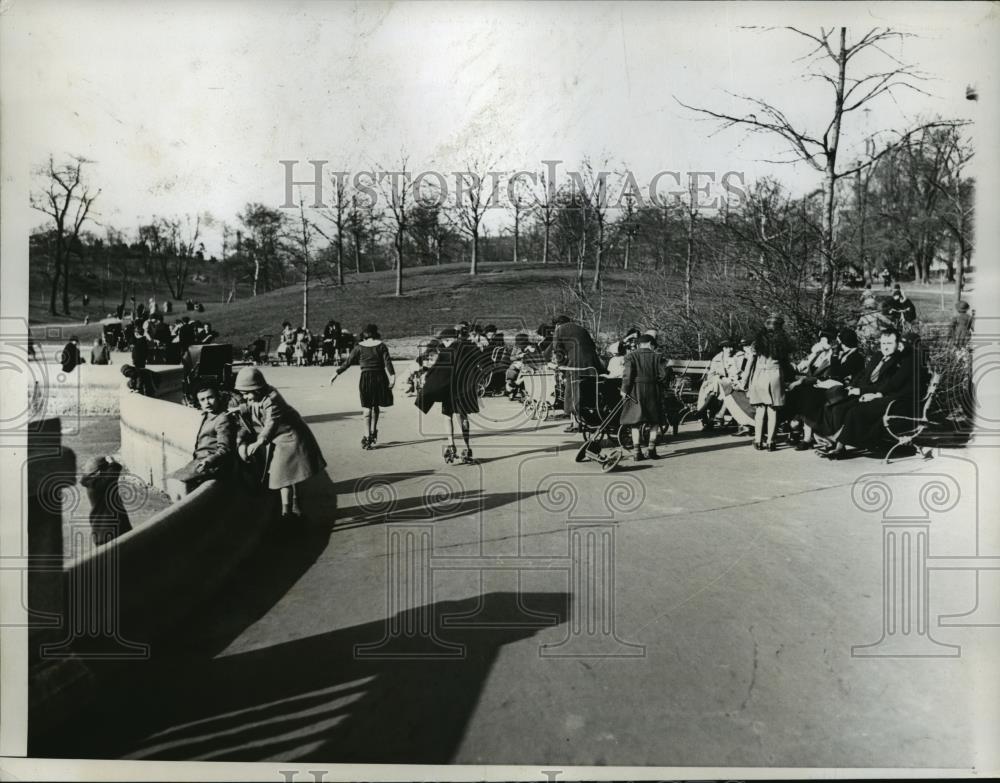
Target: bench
<point>905,429</point>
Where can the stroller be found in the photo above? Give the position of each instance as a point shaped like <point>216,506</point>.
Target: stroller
<point>206,363</point>
<point>600,406</point>
<point>257,351</point>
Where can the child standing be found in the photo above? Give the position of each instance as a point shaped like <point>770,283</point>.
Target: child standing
<point>296,454</point>
<point>643,376</point>
<point>377,379</point>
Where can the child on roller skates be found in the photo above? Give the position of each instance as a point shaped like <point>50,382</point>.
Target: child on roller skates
<point>452,381</point>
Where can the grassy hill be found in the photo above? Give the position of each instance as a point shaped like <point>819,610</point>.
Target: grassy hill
<point>515,298</point>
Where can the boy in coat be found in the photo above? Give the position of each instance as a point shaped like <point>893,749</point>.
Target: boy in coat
<point>215,443</point>
<point>642,380</point>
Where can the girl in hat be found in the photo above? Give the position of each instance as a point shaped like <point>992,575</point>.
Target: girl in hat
<point>296,455</point>
<point>377,379</point>
<point>767,392</point>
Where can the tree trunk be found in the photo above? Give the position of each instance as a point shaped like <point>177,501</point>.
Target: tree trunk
<point>628,249</point>
<point>256,274</point>
<point>517,226</point>
<point>687,263</point>
<point>65,284</point>
<point>305,296</point>
<point>596,283</point>
<point>340,258</point>
<point>399,262</point>
<point>545,244</point>
<point>357,257</point>
<point>474,266</point>
<point>56,274</point>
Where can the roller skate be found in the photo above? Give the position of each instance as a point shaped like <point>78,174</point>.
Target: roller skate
<point>450,454</point>
<point>467,457</point>
<point>373,439</point>
<point>364,442</point>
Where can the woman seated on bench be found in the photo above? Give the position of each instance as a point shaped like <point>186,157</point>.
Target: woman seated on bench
<point>891,376</point>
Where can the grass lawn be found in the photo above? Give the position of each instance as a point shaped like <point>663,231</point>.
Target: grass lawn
<point>514,298</point>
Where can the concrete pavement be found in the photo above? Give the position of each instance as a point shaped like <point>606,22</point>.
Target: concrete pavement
<point>742,580</point>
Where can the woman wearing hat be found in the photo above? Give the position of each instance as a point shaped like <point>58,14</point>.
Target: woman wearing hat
<point>377,379</point>
<point>808,397</point>
<point>767,392</point>
<point>296,455</point>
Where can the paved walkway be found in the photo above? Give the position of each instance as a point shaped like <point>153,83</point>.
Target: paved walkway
<point>742,580</point>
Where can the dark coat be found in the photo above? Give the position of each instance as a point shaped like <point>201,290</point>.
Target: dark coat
<point>897,379</point>
<point>643,380</point>
<point>572,346</point>
<point>453,380</point>
<point>71,358</point>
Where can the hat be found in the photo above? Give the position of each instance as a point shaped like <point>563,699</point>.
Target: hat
<point>250,379</point>
<point>848,338</point>
<point>447,333</point>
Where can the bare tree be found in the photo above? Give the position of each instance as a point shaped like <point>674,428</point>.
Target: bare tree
<point>66,199</point>
<point>833,61</point>
<point>592,187</point>
<point>471,202</point>
<point>518,204</point>
<point>339,214</point>
<point>301,241</point>
<point>396,187</point>
<point>546,209</point>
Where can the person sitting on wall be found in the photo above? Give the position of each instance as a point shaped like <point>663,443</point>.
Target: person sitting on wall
<point>215,443</point>
<point>108,516</point>
<point>139,380</point>
<point>71,358</point>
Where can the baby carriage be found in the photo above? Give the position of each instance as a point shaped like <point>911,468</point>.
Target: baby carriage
<point>257,351</point>
<point>541,395</point>
<point>206,363</point>
<point>493,375</point>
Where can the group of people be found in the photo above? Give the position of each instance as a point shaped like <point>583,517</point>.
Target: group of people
<point>301,347</point>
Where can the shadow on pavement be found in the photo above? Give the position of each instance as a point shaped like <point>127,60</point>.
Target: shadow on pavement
<point>313,698</point>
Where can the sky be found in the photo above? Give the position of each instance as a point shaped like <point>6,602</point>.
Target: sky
<point>185,107</point>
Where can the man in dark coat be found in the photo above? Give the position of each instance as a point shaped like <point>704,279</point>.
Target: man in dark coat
<point>643,380</point>
<point>892,377</point>
<point>71,358</point>
<point>573,347</point>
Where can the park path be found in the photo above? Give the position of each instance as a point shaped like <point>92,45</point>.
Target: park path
<point>741,581</point>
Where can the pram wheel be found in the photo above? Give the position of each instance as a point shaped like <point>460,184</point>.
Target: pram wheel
<point>543,411</point>
<point>610,462</point>
<point>450,454</point>
<point>589,450</point>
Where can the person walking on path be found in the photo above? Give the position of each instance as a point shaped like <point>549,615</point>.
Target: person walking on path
<point>767,388</point>
<point>296,455</point>
<point>377,379</point>
<point>644,376</point>
<point>453,382</point>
